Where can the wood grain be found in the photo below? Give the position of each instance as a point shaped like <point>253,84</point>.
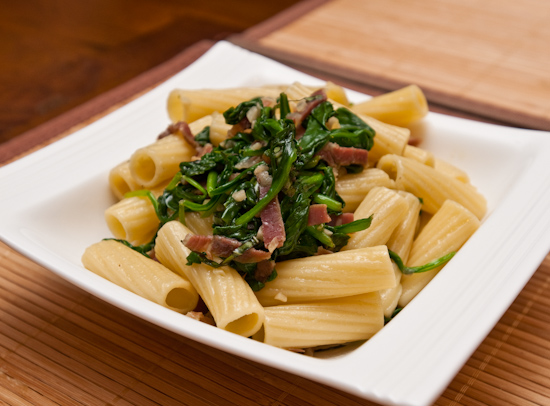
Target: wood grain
<point>58,54</point>
<point>488,58</point>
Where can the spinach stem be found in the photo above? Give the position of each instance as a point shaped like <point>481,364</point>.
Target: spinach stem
<point>211,182</point>
<point>421,268</point>
<point>320,235</point>
<point>332,204</point>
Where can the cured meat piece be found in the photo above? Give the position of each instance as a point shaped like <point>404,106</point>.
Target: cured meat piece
<point>252,255</point>
<point>273,227</point>
<point>341,219</point>
<point>335,155</point>
<point>299,116</point>
<point>318,214</point>
<point>264,270</point>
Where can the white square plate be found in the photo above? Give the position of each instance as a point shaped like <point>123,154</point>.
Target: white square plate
<point>52,204</point>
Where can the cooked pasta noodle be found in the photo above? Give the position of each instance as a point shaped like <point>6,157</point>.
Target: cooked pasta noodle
<point>446,232</point>
<point>432,186</point>
<point>420,155</point>
<point>400,107</point>
<point>191,105</point>
<point>121,180</point>
<point>353,187</point>
<point>387,209</point>
<point>344,273</point>
<point>400,242</point>
<point>133,219</point>
<point>122,265</point>
<point>334,321</point>
<point>228,297</point>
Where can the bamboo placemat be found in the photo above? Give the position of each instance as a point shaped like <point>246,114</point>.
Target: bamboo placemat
<point>61,346</point>
<point>489,58</point>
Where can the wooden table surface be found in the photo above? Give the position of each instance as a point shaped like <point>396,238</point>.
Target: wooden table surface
<point>61,346</point>
<point>55,55</point>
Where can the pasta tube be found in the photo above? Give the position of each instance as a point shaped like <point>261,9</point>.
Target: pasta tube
<point>228,297</point>
<point>400,242</point>
<point>141,275</point>
<point>198,125</point>
<point>389,139</point>
<point>190,105</point>
<point>402,237</point>
<point>419,154</point>
<point>334,321</point>
<point>400,107</point>
<point>334,92</point>
<point>121,180</point>
<point>387,208</point>
<point>133,219</point>
<point>345,273</point>
<point>446,232</point>
<point>160,161</point>
<point>431,185</point>
<point>337,93</point>
<point>218,129</point>
<point>198,224</point>
<point>451,170</point>
<point>354,187</point>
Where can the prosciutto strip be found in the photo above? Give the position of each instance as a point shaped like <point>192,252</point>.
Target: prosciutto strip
<point>343,218</point>
<point>299,116</point>
<point>273,227</point>
<point>181,128</point>
<point>224,246</point>
<point>335,155</point>
<point>264,270</point>
<point>199,243</point>
<point>219,246</point>
<point>240,127</point>
<point>318,214</point>
<point>212,246</point>
<point>252,255</point>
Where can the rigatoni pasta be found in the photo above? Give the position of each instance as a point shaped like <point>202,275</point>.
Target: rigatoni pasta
<point>432,186</point>
<point>345,273</point>
<point>228,297</point>
<point>191,105</point>
<point>400,242</point>
<point>448,169</point>
<point>353,187</point>
<point>160,161</point>
<point>132,219</point>
<point>141,275</point>
<point>419,154</point>
<point>400,107</point>
<point>387,209</point>
<point>446,232</point>
<point>121,180</point>
<point>319,323</point>
<point>290,216</point>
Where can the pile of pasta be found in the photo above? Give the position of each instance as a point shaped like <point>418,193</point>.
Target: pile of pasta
<point>422,208</point>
